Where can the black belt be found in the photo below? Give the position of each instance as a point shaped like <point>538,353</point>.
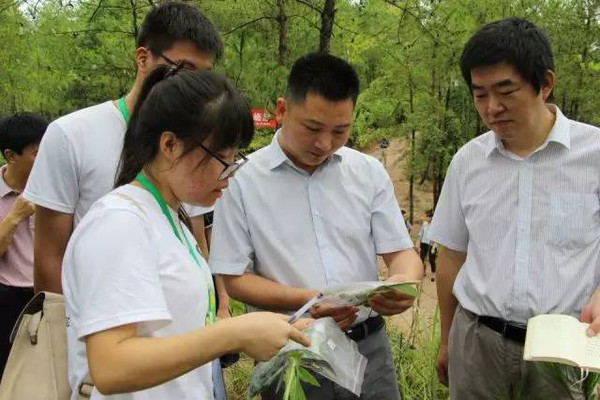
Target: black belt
<point>365,328</point>
<point>510,330</point>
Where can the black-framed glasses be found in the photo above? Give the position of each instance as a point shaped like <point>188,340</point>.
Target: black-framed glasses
<point>228,168</point>
<point>177,64</point>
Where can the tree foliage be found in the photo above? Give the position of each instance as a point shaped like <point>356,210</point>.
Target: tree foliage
<point>60,55</point>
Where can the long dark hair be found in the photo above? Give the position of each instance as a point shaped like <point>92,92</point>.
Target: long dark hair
<point>194,105</point>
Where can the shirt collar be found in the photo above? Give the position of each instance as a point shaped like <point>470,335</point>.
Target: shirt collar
<point>560,133</point>
<point>4,188</point>
<point>278,157</point>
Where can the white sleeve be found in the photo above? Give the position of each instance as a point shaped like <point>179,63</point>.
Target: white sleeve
<point>112,275</point>
<point>54,179</point>
<point>387,222</point>
<point>231,250</point>
<point>448,227</point>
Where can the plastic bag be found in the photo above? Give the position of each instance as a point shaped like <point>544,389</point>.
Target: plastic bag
<point>331,355</point>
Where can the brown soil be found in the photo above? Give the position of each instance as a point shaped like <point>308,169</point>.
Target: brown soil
<point>396,161</point>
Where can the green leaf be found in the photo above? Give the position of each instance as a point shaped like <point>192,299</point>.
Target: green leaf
<point>410,290</point>
<point>307,377</point>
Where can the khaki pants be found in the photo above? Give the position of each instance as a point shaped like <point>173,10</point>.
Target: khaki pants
<point>485,365</point>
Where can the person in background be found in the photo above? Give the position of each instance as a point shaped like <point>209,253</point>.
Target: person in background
<point>406,221</point>
<point>426,248</point>
<point>78,157</point>
<point>20,137</point>
<point>383,145</point>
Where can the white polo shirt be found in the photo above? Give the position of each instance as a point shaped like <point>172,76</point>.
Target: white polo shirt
<point>530,226</point>
<point>77,161</point>
<point>124,265</point>
<point>307,230</point>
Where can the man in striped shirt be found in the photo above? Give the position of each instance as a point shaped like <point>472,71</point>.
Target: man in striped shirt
<point>518,220</point>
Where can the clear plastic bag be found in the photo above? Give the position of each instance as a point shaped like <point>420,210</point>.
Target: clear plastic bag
<point>331,355</point>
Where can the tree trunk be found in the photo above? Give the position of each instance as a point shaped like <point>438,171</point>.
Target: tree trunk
<point>282,22</point>
<point>327,20</point>
<point>134,23</point>
<point>411,175</point>
<point>439,181</point>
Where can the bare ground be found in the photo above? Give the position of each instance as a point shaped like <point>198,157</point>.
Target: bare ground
<point>396,160</point>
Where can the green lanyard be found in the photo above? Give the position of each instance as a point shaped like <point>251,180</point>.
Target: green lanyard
<point>211,314</point>
<point>123,109</point>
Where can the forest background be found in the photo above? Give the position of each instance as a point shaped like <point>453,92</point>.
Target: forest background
<point>57,56</point>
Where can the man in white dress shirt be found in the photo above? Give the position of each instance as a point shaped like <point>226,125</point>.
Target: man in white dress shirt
<point>518,220</point>
<point>306,213</point>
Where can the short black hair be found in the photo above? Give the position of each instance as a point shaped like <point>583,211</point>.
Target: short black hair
<point>323,74</point>
<point>21,130</point>
<point>514,41</point>
<point>170,22</point>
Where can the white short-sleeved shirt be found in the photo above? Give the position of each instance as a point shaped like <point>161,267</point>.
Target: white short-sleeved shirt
<point>530,226</point>
<point>124,265</point>
<point>78,159</point>
<point>307,230</point>
<point>424,233</point>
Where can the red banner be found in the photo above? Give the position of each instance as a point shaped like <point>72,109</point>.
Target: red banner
<point>263,119</point>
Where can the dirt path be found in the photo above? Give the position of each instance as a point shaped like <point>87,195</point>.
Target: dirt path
<point>396,160</point>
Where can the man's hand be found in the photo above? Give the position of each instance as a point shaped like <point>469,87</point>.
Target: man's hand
<point>441,364</point>
<point>21,209</point>
<point>343,316</point>
<point>591,313</point>
<point>394,302</point>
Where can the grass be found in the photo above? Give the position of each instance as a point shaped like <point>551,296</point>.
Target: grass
<point>414,354</point>
<point>237,378</point>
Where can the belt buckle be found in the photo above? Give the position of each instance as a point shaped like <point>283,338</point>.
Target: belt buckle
<point>357,332</point>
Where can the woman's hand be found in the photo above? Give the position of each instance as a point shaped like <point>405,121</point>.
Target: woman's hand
<point>263,334</point>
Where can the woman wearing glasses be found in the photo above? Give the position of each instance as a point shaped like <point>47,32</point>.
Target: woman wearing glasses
<point>139,297</point>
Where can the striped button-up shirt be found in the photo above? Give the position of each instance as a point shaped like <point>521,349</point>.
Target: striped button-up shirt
<point>530,226</point>
<point>307,230</point>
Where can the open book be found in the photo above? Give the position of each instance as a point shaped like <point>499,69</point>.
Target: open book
<point>561,339</point>
<point>356,294</point>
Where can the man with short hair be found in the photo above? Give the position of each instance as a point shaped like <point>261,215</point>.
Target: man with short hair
<point>20,137</point>
<point>306,212</point>
<point>79,155</point>
<point>518,220</point>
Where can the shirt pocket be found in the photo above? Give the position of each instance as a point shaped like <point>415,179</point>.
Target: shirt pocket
<point>574,219</point>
